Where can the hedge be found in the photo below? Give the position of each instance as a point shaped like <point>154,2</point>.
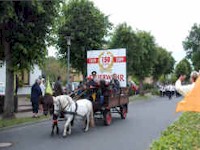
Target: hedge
<point>184,134</point>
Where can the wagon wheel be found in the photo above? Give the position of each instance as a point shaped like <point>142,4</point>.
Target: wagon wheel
<point>124,110</point>
<point>107,117</point>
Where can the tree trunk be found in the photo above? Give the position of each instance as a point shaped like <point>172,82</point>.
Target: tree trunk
<point>9,93</point>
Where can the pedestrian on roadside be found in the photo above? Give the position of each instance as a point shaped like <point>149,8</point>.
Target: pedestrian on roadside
<point>184,89</point>
<point>69,86</point>
<point>36,93</point>
<point>169,91</point>
<point>42,86</point>
<point>58,87</point>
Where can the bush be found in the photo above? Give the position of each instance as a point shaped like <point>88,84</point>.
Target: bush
<point>155,91</point>
<point>147,87</point>
<point>131,92</point>
<point>184,134</point>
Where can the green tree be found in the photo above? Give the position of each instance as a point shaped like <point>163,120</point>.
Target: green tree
<point>192,46</point>
<point>25,28</point>
<point>53,68</point>
<point>183,68</point>
<point>164,63</point>
<point>146,56</point>
<point>87,26</point>
<point>125,37</point>
<point>141,53</point>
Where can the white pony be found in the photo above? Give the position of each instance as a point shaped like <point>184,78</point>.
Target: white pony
<point>83,107</point>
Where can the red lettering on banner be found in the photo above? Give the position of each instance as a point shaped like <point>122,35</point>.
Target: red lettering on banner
<point>119,59</point>
<point>120,77</point>
<point>92,60</point>
<point>105,59</point>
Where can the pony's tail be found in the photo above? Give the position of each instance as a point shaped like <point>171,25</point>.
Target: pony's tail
<point>92,123</point>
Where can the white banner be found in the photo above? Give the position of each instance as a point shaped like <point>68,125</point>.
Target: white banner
<point>106,63</point>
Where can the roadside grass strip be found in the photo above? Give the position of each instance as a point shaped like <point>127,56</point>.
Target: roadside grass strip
<point>139,97</point>
<point>4,123</point>
<point>184,134</point>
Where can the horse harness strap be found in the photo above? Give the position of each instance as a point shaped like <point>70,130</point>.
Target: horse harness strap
<point>72,113</point>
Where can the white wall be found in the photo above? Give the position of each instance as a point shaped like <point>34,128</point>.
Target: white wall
<point>3,73</point>
<point>35,74</point>
<point>26,89</point>
<point>2,79</point>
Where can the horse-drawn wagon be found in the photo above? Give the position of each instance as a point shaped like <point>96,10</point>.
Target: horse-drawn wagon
<point>106,63</point>
<point>100,100</point>
<point>110,102</point>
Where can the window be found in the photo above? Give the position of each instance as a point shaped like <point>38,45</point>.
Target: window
<point>24,78</point>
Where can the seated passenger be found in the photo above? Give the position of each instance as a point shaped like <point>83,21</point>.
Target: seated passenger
<point>115,84</point>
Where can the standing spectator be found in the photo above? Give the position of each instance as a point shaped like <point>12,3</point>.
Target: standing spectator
<point>162,90</point>
<point>169,91</point>
<point>184,89</point>
<point>16,84</point>
<point>133,86</point>
<point>58,87</point>
<point>35,95</point>
<point>70,87</point>
<point>42,86</point>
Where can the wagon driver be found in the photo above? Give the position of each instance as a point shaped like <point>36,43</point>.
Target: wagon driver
<point>93,81</point>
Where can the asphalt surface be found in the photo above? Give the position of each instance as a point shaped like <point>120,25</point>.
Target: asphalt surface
<point>145,121</point>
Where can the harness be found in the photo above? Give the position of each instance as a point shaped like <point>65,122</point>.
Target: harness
<point>63,111</point>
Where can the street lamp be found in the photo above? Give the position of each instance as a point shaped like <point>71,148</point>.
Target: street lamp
<point>68,58</point>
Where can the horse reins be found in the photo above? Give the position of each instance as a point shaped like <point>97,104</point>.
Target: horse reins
<point>69,112</point>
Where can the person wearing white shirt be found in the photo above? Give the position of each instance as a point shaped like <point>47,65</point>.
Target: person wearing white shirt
<point>42,86</point>
<point>184,89</point>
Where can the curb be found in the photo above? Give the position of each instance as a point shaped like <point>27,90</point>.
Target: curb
<point>23,124</point>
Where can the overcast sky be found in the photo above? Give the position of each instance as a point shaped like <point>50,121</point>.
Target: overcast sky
<point>169,21</point>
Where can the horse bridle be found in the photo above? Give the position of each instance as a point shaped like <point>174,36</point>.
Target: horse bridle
<point>67,112</point>
<point>61,109</point>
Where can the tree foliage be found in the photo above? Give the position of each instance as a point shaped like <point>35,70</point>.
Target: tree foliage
<point>192,46</point>
<point>183,68</point>
<point>140,45</point>
<point>53,68</point>
<point>146,55</point>
<point>87,26</point>
<point>164,63</point>
<point>141,50</point>
<point>125,37</point>
<point>25,28</point>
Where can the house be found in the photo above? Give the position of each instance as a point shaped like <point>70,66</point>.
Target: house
<point>26,79</point>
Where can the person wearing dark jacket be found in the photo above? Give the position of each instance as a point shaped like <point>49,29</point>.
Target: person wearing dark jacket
<point>36,93</point>
<point>58,87</point>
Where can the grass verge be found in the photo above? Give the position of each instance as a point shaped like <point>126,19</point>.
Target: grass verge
<point>16,121</point>
<point>184,134</point>
<point>139,97</point>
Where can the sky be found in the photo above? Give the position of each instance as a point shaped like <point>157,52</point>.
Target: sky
<point>169,21</point>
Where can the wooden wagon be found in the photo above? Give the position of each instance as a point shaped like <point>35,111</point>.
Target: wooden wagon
<point>109,102</point>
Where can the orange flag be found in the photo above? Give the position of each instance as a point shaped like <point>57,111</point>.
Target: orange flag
<point>191,101</point>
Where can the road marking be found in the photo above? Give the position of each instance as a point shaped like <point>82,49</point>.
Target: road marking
<point>5,144</point>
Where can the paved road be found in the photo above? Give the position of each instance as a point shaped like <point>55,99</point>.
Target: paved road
<point>146,119</point>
